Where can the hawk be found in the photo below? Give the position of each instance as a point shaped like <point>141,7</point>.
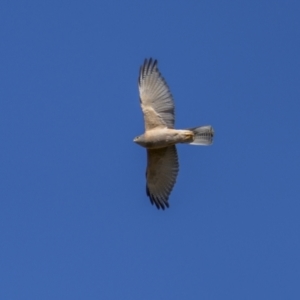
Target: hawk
<point>160,136</point>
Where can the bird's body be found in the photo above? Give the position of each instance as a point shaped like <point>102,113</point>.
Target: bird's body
<point>164,137</point>
<point>160,137</point>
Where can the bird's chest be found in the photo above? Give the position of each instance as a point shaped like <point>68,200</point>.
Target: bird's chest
<point>160,138</point>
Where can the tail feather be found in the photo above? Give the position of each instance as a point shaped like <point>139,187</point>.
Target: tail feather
<point>203,135</point>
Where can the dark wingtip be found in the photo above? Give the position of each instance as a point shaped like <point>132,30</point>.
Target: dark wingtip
<point>160,204</point>
<point>147,67</point>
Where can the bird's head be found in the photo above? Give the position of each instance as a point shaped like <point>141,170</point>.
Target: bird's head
<point>139,140</point>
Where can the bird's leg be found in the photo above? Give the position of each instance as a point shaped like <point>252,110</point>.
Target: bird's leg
<point>188,136</point>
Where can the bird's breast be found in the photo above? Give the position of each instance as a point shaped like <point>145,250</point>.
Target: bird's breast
<point>160,138</point>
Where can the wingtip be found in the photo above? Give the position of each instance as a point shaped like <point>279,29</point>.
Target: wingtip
<point>160,204</point>
<point>149,64</point>
<point>146,68</point>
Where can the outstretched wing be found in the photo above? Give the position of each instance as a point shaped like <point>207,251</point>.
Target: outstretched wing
<point>161,174</point>
<point>155,96</point>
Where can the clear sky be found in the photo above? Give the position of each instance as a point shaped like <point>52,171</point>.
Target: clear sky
<point>75,222</point>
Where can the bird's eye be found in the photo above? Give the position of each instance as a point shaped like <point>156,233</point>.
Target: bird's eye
<point>137,137</point>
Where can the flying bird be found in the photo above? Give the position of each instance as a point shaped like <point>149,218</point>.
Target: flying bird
<point>160,136</point>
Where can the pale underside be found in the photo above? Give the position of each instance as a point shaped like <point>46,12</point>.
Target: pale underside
<point>158,108</point>
<point>160,136</point>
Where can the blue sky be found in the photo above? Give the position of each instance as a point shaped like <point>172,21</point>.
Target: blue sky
<point>75,221</point>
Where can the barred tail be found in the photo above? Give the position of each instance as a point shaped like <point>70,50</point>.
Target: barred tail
<point>203,135</point>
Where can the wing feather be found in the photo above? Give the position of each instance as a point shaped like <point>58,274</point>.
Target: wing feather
<point>161,174</point>
<point>155,97</point>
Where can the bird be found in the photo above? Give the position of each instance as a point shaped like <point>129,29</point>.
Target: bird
<point>160,137</point>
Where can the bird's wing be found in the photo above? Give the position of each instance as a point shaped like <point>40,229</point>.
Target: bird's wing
<point>162,170</point>
<point>155,97</point>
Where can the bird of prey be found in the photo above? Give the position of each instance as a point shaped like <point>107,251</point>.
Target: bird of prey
<point>160,136</point>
